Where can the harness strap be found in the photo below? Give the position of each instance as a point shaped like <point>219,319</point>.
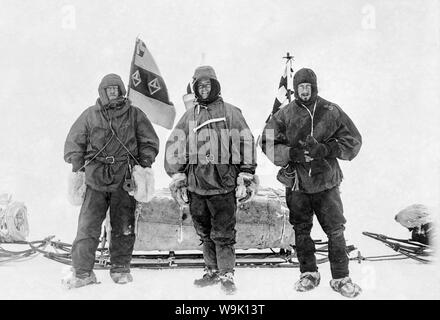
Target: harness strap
<point>110,159</point>
<point>208,122</point>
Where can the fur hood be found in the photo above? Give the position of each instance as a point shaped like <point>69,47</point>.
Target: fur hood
<point>110,80</point>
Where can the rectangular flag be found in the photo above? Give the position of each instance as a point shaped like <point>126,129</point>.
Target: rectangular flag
<point>147,89</point>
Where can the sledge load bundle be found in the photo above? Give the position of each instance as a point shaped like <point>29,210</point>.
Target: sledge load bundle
<point>261,223</point>
<point>419,219</point>
<point>13,220</point>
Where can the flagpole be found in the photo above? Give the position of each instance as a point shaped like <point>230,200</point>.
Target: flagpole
<point>289,60</point>
<point>132,62</point>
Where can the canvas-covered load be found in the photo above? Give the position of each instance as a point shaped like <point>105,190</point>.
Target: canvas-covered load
<point>262,223</point>
<point>13,220</point>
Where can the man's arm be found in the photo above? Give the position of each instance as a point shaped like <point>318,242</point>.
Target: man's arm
<point>147,141</point>
<point>348,138</point>
<point>75,146</point>
<point>176,148</point>
<point>274,142</point>
<point>247,152</point>
<point>344,144</point>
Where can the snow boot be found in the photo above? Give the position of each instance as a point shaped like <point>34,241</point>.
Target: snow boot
<point>120,274</point>
<point>308,281</point>
<point>227,283</point>
<point>211,277</point>
<point>121,277</point>
<point>73,280</point>
<point>345,287</point>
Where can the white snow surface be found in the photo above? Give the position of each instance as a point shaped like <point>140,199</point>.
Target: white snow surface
<point>39,278</point>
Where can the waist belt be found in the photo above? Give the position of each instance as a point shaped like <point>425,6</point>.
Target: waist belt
<point>111,159</point>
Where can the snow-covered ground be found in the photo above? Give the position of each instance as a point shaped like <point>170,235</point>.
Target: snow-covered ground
<point>39,278</point>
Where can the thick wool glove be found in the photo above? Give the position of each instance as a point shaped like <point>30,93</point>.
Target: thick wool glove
<point>316,150</point>
<point>297,155</point>
<point>178,188</point>
<point>76,188</point>
<point>144,184</point>
<point>247,187</point>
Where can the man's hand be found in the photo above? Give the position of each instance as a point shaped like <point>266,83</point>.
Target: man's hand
<point>178,188</point>
<point>316,150</point>
<point>298,155</point>
<point>76,188</point>
<point>307,158</point>
<point>247,187</point>
<point>144,184</point>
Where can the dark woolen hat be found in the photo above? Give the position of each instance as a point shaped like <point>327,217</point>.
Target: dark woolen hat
<point>305,75</point>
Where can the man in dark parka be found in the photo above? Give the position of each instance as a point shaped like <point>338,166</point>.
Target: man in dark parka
<point>307,137</point>
<point>217,172</point>
<point>103,145</point>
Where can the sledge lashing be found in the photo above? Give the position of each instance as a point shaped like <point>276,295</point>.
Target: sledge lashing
<point>14,229</point>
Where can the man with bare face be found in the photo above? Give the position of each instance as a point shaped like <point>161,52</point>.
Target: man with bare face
<point>217,172</point>
<point>308,136</point>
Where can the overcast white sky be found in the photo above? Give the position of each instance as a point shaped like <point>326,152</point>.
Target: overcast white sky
<point>377,59</point>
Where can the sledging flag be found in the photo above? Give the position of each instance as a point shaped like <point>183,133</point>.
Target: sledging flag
<point>147,89</point>
<point>285,88</point>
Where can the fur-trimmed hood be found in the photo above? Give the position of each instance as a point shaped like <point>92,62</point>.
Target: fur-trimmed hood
<point>206,72</point>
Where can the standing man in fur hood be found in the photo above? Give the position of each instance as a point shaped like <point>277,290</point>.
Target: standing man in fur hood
<point>307,137</point>
<point>111,147</point>
<point>210,156</point>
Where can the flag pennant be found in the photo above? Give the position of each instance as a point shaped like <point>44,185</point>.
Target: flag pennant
<point>285,88</point>
<point>189,98</point>
<point>147,89</point>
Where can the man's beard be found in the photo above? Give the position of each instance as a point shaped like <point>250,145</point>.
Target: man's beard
<point>305,98</point>
<point>116,103</point>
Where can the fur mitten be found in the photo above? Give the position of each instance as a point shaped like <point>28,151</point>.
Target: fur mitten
<point>247,187</point>
<point>76,188</point>
<point>144,182</point>
<point>178,188</point>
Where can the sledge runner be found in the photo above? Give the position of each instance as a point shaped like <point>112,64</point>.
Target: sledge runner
<point>111,147</point>
<point>210,156</point>
<point>306,137</point>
